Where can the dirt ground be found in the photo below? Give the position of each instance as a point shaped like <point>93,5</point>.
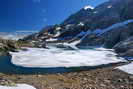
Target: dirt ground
<point>99,78</point>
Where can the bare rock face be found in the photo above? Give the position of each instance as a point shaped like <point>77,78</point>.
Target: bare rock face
<point>128,53</point>
<point>82,15</point>
<point>110,38</point>
<point>103,15</point>
<point>124,46</point>
<point>91,40</point>
<point>7,45</point>
<point>117,35</point>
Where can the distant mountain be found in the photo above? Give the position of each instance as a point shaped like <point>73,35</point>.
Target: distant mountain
<point>79,16</point>
<point>15,35</point>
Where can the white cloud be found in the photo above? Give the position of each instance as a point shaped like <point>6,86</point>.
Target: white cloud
<point>26,31</point>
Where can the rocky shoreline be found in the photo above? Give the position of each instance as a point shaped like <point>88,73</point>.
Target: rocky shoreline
<point>99,78</point>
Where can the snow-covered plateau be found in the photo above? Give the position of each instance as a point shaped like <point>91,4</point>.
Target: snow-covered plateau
<point>56,57</point>
<point>18,86</point>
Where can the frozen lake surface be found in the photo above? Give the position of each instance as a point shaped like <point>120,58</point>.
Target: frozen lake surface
<point>56,60</point>
<point>57,57</point>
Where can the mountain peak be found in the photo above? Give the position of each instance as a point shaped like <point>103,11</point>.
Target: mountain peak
<point>88,7</point>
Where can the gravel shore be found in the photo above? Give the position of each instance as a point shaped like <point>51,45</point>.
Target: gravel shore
<point>99,78</point>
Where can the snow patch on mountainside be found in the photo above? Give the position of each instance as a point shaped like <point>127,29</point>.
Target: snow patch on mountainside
<point>56,57</point>
<point>19,86</point>
<point>127,68</point>
<point>72,44</point>
<point>110,6</point>
<point>88,7</point>
<point>81,24</point>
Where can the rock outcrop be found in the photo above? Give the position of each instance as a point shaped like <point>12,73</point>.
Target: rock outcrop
<point>125,48</point>
<point>11,46</point>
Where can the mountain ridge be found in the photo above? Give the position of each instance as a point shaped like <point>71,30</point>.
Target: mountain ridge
<point>91,22</point>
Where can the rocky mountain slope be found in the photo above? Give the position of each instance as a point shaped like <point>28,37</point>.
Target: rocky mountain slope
<point>109,24</point>
<point>7,45</point>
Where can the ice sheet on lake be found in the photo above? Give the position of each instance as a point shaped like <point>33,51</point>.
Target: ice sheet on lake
<point>19,86</point>
<point>55,57</point>
<point>127,68</point>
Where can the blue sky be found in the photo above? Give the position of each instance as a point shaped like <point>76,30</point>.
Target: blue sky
<point>34,14</point>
